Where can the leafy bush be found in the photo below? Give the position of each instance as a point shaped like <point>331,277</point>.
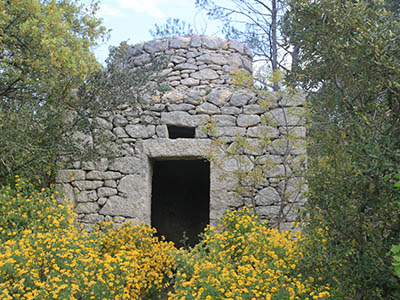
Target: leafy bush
<point>44,255</point>
<point>245,260</point>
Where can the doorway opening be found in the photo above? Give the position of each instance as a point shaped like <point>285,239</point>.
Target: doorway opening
<point>180,201</point>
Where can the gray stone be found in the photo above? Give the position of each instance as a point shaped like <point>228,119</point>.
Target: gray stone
<point>85,185</point>
<point>176,148</point>
<point>135,50</point>
<point>142,59</point>
<point>162,131</point>
<point>86,196</point>
<point>212,42</point>
<point>156,45</point>
<point>219,97</point>
<point>110,183</point>
<point>181,118</point>
<point>100,165</point>
<point>180,107</point>
<point>106,192</point>
<point>248,120</point>
<point>99,175</point>
<point>212,58</point>
<point>178,59</point>
<point>91,218</point>
<point>190,82</point>
<point>230,131</point>
<point>186,66</point>
<point>195,41</point>
<point>267,196</point>
<point>66,193</point>
<point>102,201</point>
<point>240,98</point>
<point>69,175</point>
<point>87,208</point>
<point>263,132</point>
<point>140,131</point>
<point>297,99</point>
<point>237,46</point>
<point>120,132</point>
<point>103,124</point>
<point>230,110</point>
<point>223,120</point>
<point>253,109</point>
<point>292,116</point>
<point>127,165</point>
<point>207,108</point>
<point>120,121</point>
<point>205,74</point>
<point>273,166</point>
<point>268,211</point>
<point>179,42</point>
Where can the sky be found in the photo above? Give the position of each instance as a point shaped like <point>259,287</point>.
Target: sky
<point>131,20</point>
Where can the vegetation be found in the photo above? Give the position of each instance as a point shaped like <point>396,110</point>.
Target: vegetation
<point>349,64</point>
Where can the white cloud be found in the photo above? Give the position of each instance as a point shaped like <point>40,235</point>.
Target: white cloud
<point>106,11</point>
<point>150,7</point>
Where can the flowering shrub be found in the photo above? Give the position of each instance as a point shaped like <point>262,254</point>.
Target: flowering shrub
<point>44,255</point>
<point>245,260</point>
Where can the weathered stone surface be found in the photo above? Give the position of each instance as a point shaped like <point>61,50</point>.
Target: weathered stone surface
<point>267,196</point>
<point>253,109</point>
<point>223,120</point>
<point>87,208</point>
<point>127,165</point>
<point>140,131</point>
<point>190,82</point>
<point>207,108</point>
<point>248,120</point>
<point>110,183</point>
<point>181,118</point>
<point>103,124</point>
<point>237,46</point>
<point>176,148</point>
<point>99,175</point>
<point>212,42</point>
<point>86,196</point>
<point>268,211</point>
<point>213,58</point>
<point>106,192</point>
<point>91,218</point>
<point>263,131</point>
<point>118,206</point>
<point>293,100</point>
<point>240,98</point>
<point>156,45</point>
<point>219,97</point>
<point>65,176</point>
<point>120,121</point>
<point>100,165</point>
<point>293,116</point>
<point>120,132</point>
<point>179,42</point>
<point>229,131</point>
<point>273,165</point>
<point>66,193</point>
<point>180,107</point>
<point>205,74</point>
<point>231,110</point>
<point>85,185</point>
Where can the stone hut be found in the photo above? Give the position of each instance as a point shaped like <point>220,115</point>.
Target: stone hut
<point>162,176</point>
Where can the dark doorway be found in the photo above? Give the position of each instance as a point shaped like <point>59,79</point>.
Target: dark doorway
<point>180,203</point>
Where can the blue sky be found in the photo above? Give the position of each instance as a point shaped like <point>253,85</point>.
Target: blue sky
<point>132,19</point>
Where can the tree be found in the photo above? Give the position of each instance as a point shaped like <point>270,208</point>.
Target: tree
<point>256,23</point>
<point>349,63</point>
<point>45,53</point>
<point>173,27</point>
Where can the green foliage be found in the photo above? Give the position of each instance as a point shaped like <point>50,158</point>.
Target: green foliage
<point>349,63</point>
<point>45,255</point>
<point>173,27</point>
<point>244,259</point>
<point>45,53</point>
<point>23,208</point>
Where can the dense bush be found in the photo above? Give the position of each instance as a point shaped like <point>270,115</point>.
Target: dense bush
<point>44,255</point>
<point>244,260</point>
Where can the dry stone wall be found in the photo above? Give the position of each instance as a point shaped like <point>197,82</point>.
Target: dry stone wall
<point>199,73</point>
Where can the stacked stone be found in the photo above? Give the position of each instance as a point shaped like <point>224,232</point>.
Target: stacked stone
<point>199,72</point>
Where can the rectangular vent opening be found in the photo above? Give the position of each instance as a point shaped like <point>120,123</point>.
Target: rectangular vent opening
<point>176,132</point>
